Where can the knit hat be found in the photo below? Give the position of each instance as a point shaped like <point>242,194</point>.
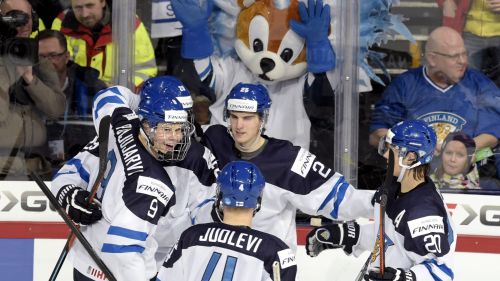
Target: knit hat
<point>469,143</point>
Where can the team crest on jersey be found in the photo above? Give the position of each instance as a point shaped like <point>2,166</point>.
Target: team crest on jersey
<point>155,188</point>
<point>426,225</point>
<point>287,258</point>
<point>444,123</point>
<point>303,162</point>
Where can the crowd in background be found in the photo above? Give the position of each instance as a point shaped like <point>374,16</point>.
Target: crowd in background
<point>46,118</point>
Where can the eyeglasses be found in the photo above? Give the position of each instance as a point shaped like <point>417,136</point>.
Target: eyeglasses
<point>52,56</point>
<point>454,57</point>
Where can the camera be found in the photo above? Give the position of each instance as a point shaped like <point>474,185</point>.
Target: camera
<point>18,51</point>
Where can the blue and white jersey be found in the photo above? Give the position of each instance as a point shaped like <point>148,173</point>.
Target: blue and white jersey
<point>218,251</point>
<point>295,179</point>
<point>136,193</point>
<point>419,234</point>
<point>193,178</point>
<point>472,105</point>
<point>194,181</point>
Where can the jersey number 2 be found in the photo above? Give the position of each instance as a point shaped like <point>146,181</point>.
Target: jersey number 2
<point>228,267</point>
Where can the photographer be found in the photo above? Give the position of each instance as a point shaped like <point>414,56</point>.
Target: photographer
<point>29,94</point>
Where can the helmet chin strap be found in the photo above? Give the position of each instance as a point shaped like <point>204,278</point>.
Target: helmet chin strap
<point>404,168</point>
<point>148,142</point>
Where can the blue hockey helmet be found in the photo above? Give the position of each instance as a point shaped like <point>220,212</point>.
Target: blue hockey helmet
<point>161,86</point>
<point>166,110</point>
<point>240,184</point>
<point>248,98</point>
<point>411,136</point>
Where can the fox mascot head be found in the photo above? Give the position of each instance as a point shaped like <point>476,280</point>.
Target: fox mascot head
<point>266,44</point>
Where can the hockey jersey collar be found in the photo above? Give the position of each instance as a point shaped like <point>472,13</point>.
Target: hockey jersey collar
<point>428,79</point>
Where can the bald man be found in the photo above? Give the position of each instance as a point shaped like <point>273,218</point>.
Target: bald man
<point>445,93</point>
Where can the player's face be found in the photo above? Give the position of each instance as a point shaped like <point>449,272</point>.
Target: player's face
<point>454,158</point>
<point>88,12</point>
<point>167,136</point>
<point>52,50</point>
<point>245,127</point>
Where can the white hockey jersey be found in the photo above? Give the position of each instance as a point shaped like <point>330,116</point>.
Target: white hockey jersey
<point>419,233</point>
<point>218,251</point>
<point>193,178</point>
<point>136,193</point>
<point>287,98</point>
<point>295,179</point>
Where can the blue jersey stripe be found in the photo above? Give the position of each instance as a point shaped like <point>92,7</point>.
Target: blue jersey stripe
<point>331,194</point>
<point>214,259</point>
<point>442,267</point>
<point>113,248</point>
<point>84,174</point>
<point>102,102</point>
<point>340,198</point>
<point>127,233</point>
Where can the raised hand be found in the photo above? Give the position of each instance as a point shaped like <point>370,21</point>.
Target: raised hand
<point>193,15</point>
<point>314,26</point>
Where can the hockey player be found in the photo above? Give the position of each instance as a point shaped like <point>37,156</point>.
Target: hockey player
<point>419,237</point>
<point>136,192</point>
<point>192,173</point>
<point>295,179</point>
<point>231,250</point>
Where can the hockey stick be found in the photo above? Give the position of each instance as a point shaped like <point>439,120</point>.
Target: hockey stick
<point>73,228</point>
<point>103,136</point>
<point>383,205</point>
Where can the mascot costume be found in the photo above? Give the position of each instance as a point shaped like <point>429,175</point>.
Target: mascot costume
<point>285,45</point>
<point>280,43</point>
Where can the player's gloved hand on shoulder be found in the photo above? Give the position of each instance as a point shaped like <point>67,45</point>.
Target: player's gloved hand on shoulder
<point>391,274</point>
<point>75,201</point>
<point>343,235</point>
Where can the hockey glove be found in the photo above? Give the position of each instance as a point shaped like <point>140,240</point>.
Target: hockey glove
<point>391,274</point>
<point>314,26</point>
<point>193,15</point>
<point>344,235</point>
<point>75,201</point>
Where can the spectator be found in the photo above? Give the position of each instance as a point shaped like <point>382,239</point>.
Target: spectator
<point>30,94</point>
<point>479,20</point>
<point>87,26</point>
<point>79,84</point>
<point>205,249</point>
<point>457,168</point>
<point>445,93</point>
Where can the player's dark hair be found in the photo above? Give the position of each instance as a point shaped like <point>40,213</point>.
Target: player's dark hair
<point>420,172</point>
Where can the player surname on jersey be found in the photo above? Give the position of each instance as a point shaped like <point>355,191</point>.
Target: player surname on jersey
<point>242,241</point>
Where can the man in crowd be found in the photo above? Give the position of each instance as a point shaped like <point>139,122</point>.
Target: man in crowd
<point>30,94</point>
<point>87,26</point>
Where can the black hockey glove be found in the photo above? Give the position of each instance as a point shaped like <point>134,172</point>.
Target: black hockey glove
<point>391,274</point>
<point>75,201</point>
<point>344,235</point>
